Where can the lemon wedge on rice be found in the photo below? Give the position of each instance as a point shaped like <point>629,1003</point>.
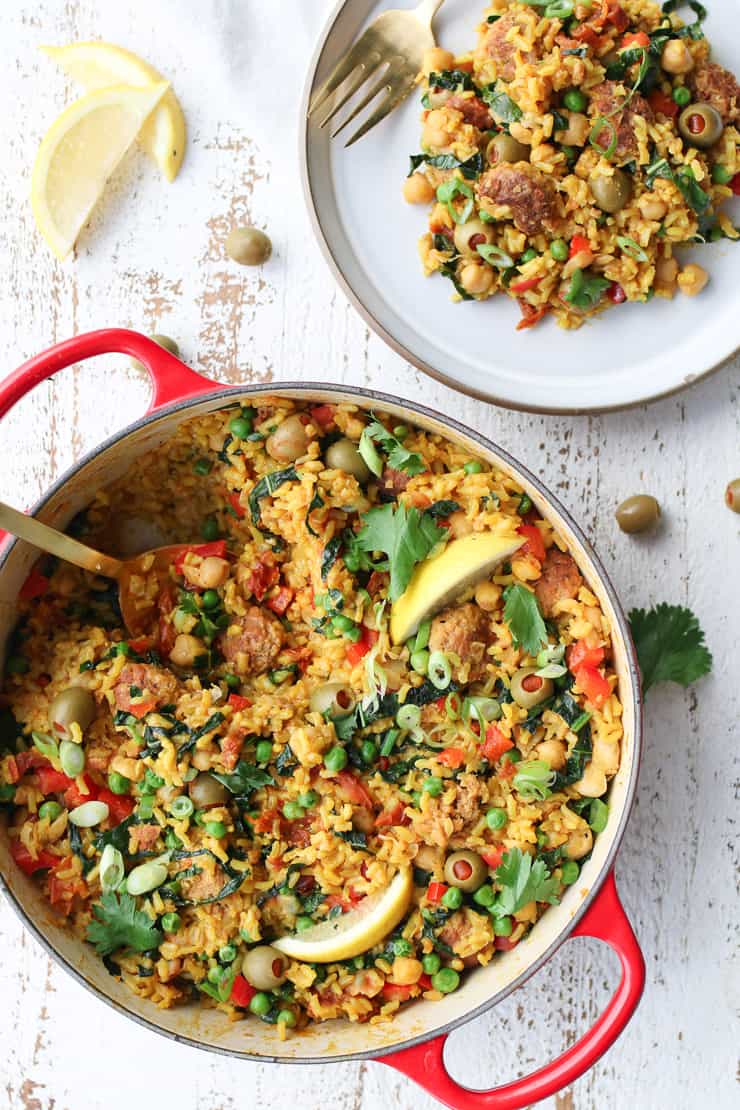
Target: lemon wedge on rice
<point>96,65</point>
<point>80,152</point>
<point>437,581</point>
<point>352,933</point>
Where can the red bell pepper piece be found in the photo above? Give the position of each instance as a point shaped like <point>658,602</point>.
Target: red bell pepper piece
<point>74,797</point>
<point>280,601</point>
<point>357,651</point>
<point>237,702</point>
<point>264,576</point>
<point>355,789</point>
<point>392,991</point>
<point>395,816</point>
<point>525,285</point>
<point>435,892</point>
<point>530,314</point>
<point>323,415</point>
<point>495,744</point>
<point>660,102</point>
<point>593,685</point>
<point>637,38</point>
<point>217,547</point>
<point>451,757</point>
<point>582,654</point>
<point>425,982</point>
<point>504,944</point>
<point>141,708</point>
<point>120,806</point>
<point>27,863</point>
<point>30,759</point>
<point>493,857</point>
<point>141,644</point>
<point>535,544</point>
<point>242,992</point>
<point>616,293</point>
<point>35,586</point>
<point>735,185</point>
<point>577,244</point>
<point>236,505</point>
<point>52,781</point>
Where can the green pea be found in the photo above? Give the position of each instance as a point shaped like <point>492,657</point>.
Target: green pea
<point>503,927</point>
<point>309,799</point>
<point>16,664</point>
<point>574,100</point>
<point>287,1017</point>
<point>152,781</point>
<point>209,529</point>
<point>559,250</point>
<point>473,467</point>
<point>227,953</point>
<point>715,234</point>
<point>241,427</point>
<point>214,974</point>
<point>7,792</point>
<point>201,467</point>
<point>263,751</point>
<point>210,599</point>
<point>431,963</point>
<point>496,818</point>
<point>171,922</point>
<point>216,829</point>
<point>420,661</point>
<point>303,922</point>
<point>433,785</point>
<point>569,872</point>
<point>340,623</point>
<point>446,980</point>
<point>721,175</point>
<point>369,751</point>
<point>598,815</point>
<point>232,681</point>
<point>50,810</point>
<point>292,811</point>
<point>335,759</point>
<point>681,96</point>
<point>118,784</point>
<point>400,431</point>
<point>261,1003</point>
<point>416,798</point>
<point>452,898</point>
<point>528,255</point>
<point>525,505</point>
<point>402,947</point>
<point>484,896</point>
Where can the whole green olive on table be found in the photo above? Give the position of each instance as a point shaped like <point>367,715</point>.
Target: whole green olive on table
<point>248,246</point>
<point>638,513</point>
<point>732,495</point>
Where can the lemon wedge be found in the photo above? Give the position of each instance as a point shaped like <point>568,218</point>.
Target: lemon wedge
<point>354,932</point>
<point>96,65</point>
<point>439,580</point>
<point>79,153</point>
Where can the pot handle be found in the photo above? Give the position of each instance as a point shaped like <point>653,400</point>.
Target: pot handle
<point>605,920</point>
<point>171,379</point>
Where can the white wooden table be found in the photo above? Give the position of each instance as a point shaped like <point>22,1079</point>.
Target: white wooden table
<point>153,259</point>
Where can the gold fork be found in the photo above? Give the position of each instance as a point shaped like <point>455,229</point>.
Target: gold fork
<point>396,42</point>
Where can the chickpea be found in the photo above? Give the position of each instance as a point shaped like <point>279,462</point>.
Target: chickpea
<point>417,190</point>
<point>212,572</point>
<point>666,272</point>
<point>458,522</point>
<point>406,971</point>
<point>592,784</point>
<point>553,752</point>
<point>437,98</point>
<point>652,207</point>
<point>289,440</point>
<point>435,132</point>
<point>577,130</point>
<point>476,280</point>
<point>676,57</point>
<point>579,843</point>
<point>487,596</point>
<point>436,59</point>
<point>186,650</point>
<point>692,279</point>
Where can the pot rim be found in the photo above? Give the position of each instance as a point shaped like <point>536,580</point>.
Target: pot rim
<point>551,500</point>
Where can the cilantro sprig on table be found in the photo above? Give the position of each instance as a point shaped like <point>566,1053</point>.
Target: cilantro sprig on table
<point>670,645</point>
<point>405,535</point>
<point>118,924</point>
<point>523,616</point>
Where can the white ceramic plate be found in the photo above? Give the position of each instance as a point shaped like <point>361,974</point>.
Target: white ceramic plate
<point>627,356</point>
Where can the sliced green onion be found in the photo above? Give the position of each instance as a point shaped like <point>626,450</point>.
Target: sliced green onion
<point>390,739</point>
<point>147,876</point>
<point>46,745</point>
<point>596,130</point>
<point>446,194</point>
<point>553,653</point>
<point>89,814</point>
<point>111,868</point>
<point>420,662</point>
<point>534,779</point>
<point>408,716</point>
<point>560,9</point>
<point>452,706</point>
<point>633,249</point>
<point>495,256</point>
<point>182,807</point>
<point>581,721</point>
<point>422,636</point>
<point>439,670</point>
<point>481,709</point>
<point>370,456</point>
<point>598,815</point>
<point>552,670</point>
<point>71,758</point>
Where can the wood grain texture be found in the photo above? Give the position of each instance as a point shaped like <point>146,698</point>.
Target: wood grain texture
<point>152,258</point>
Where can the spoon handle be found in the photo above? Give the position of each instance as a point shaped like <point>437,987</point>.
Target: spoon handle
<point>56,543</point>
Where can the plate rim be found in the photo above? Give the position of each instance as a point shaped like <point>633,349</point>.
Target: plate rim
<point>304,125</point>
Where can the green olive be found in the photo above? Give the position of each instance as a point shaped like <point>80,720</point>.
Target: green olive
<point>248,246</point>
<point>701,125</point>
<point>264,967</point>
<point>289,440</point>
<point>611,193</point>
<point>637,514</point>
<point>344,455</point>
<point>503,148</point>
<point>206,791</point>
<point>163,341</point>
<point>75,705</point>
<point>528,688</point>
<point>732,495</point>
<point>476,230</point>
<point>334,698</point>
<point>465,870</point>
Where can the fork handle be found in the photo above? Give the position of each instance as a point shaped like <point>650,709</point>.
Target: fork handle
<point>427,10</point>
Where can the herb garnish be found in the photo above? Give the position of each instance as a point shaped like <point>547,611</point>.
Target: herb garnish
<point>405,535</point>
<point>523,616</point>
<point>399,457</point>
<point>118,924</point>
<point>523,881</point>
<point>670,645</point>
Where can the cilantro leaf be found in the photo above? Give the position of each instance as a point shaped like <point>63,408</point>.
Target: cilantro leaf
<point>244,779</point>
<point>502,106</point>
<point>670,645</point>
<point>118,924</point>
<point>398,456</point>
<point>523,881</point>
<point>585,290</point>
<point>523,616</point>
<point>405,535</point>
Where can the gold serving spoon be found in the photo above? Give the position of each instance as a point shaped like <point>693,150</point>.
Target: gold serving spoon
<point>136,612</point>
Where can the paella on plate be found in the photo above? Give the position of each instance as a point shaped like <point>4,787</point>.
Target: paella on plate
<point>569,154</point>
<point>360,749</point>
